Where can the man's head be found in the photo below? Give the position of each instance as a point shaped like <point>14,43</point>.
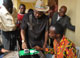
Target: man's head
<point>51,11</point>
<point>56,31</point>
<point>30,11</point>
<point>38,14</point>
<point>40,8</point>
<point>8,5</point>
<point>62,11</point>
<point>22,8</point>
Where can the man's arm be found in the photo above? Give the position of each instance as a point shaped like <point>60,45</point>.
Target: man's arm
<point>23,27</point>
<point>45,41</point>
<point>46,34</point>
<point>23,34</point>
<point>69,25</point>
<point>24,45</point>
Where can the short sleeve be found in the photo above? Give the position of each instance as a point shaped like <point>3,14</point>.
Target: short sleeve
<point>24,22</point>
<point>47,24</point>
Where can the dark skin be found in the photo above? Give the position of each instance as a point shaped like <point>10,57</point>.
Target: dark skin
<point>22,9</point>
<point>53,35</point>
<point>38,14</point>
<point>8,7</point>
<point>62,11</point>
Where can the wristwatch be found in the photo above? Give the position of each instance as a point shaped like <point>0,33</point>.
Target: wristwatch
<point>23,41</point>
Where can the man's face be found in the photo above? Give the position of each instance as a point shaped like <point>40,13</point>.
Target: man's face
<point>52,34</point>
<point>22,9</point>
<point>10,9</point>
<point>62,12</point>
<point>38,14</point>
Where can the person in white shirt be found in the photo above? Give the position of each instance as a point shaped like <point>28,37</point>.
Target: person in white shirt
<point>7,25</point>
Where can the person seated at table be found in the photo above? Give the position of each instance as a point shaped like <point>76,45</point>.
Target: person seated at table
<point>62,47</point>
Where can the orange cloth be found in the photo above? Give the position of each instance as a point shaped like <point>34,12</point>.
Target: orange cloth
<point>64,49</point>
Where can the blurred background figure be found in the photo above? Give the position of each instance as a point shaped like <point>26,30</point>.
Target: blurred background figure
<point>21,13</point>
<point>20,16</point>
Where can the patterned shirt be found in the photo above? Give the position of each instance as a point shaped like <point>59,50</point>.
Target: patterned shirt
<point>64,49</point>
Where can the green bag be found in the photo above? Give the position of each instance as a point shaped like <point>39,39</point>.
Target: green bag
<point>31,52</point>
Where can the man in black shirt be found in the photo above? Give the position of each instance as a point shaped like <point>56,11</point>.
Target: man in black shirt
<point>34,28</point>
<point>61,18</point>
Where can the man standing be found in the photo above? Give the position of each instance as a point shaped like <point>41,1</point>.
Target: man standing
<point>20,16</point>
<point>7,25</point>
<point>35,27</point>
<point>62,18</point>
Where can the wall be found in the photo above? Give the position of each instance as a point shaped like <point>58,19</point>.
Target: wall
<point>15,3</point>
<point>77,40</point>
<point>73,8</point>
<point>28,5</point>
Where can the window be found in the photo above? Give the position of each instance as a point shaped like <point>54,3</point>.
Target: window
<point>1,1</point>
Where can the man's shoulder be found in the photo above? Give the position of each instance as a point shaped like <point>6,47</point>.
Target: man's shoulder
<point>67,17</point>
<point>45,17</point>
<point>27,14</point>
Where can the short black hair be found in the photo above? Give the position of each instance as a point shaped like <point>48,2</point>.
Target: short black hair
<point>8,5</point>
<point>59,29</point>
<point>22,5</point>
<point>8,2</point>
<point>30,10</point>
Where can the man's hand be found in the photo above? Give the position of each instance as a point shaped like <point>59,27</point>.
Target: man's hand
<point>37,48</point>
<point>24,45</point>
<point>4,50</point>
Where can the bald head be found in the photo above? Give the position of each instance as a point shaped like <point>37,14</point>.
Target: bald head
<point>62,10</point>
